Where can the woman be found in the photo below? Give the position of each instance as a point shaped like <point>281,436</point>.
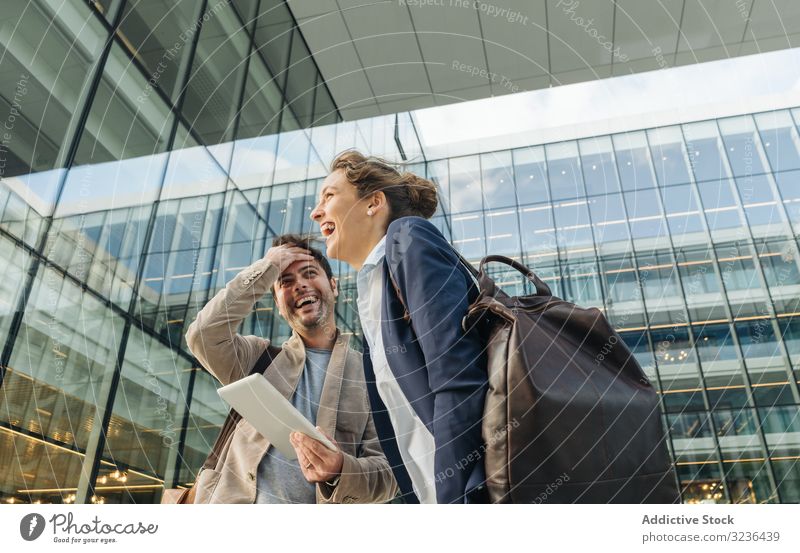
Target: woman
<point>426,376</point>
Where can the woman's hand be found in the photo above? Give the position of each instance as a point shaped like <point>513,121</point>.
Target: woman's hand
<point>318,463</point>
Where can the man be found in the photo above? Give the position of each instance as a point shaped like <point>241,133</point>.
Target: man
<point>316,369</point>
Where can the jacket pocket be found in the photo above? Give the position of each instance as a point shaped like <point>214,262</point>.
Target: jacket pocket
<point>206,484</point>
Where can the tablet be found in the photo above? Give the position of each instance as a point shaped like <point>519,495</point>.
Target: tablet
<point>270,413</point>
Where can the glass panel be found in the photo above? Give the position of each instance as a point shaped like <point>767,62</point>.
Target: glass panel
<point>59,373</point>
<point>723,215</point>
<point>742,145</point>
<point>537,229</point>
<point>633,161</point>
<point>47,55</point>
<point>748,482</point>
<point>702,288</point>
<point>610,222</point>
<point>469,236</point>
<point>465,184</point>
<point>779,262</point>
<point>13,274</point>
<point>574,230</point>
<point>125,121</point>
<point>212,94</point>
<point>789,188</point>
<point>48,51</point>
<point>669,155</point>
<point>437,173</point>
<point>292,161</point>
<point>624,306</point>
<point>683,215</point>
<point>763,210</point>
<point>146,422</point>
<point>644,212</point>
<point>273,37</point>
<point>301,81</point>
<point>502,233</point>
<point>787,474</point>
<point>564,171</point>
<point>206,415</point>
<point>706,157</point>
<point>530,174</point>
<point>191,172</point>
<point>159,33</point>
<point>781,142</point>
<point>581,284</point>
<point>599,166</point>
<point>498,180</point>
<point>662,293</point>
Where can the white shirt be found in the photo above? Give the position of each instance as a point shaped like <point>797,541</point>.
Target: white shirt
<point>414,440</point>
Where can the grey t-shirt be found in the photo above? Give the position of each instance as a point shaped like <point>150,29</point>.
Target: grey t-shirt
<point>280,480</point>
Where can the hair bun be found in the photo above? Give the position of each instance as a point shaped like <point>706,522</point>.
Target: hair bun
<point>421,194</point>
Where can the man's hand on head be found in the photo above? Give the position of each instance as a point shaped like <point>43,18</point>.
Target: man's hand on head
<point>318,463</point>
<point>284,255</point>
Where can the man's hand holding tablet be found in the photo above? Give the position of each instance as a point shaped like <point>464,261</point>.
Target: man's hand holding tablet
<point>318,462</point>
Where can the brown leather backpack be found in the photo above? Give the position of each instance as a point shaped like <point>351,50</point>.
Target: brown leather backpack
<point>570,416</point>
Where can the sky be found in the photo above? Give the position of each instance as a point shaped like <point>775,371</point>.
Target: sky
<point>738,79</point>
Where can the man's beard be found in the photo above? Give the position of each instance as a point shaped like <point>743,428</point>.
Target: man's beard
<point>316,322</point>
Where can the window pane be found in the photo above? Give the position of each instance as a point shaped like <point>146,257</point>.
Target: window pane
<point>60,371</point>
<point>706,156</point>
<point>146,422</point>
<point>742,145</point>
<point>564,171</point>
<point>498,180</point>
<point>502,232</point>
<point>465,184</point>
<point>669,155</point>
<point>48,51</point>
<point>469,236</point>
<point>683,215</point>
<point>211,101</point>
<point>781,142</point>
<point>599,166</point>
<point>644,212</point>
<point>530,174</point>
<point>156,31</point>
<point>537,229</point>
<point>610,221</point>
<point>633,160</point>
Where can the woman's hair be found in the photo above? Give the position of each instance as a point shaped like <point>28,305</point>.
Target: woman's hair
<point>406,193</point>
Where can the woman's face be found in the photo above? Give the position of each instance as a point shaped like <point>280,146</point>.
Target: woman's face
<point>342,218</point>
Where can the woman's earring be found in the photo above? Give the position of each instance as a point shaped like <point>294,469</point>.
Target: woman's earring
<point>369,212</point>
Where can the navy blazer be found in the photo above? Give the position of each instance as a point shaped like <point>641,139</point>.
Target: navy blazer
<point>440,368</point>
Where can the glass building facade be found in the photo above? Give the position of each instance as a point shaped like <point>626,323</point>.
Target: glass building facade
<point>141,172</point>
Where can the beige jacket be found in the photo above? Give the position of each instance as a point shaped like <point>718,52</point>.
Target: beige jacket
<point>344,410</point>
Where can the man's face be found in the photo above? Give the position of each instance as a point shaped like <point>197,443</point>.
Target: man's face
<point>305,296</point>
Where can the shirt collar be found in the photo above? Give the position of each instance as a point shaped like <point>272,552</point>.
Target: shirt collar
<point>376,254</point>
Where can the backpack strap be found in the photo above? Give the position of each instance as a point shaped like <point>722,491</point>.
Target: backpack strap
<point>233,417</point>
<point>467,265</point>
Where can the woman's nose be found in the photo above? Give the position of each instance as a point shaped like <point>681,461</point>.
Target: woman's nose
<point>316,213</point>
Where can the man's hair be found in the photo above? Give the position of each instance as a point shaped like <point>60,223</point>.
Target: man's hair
<point>302,241</point>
